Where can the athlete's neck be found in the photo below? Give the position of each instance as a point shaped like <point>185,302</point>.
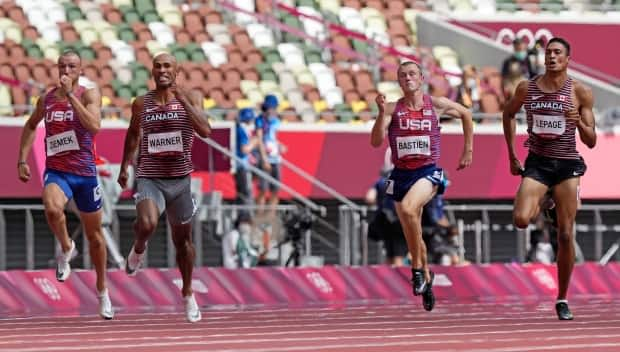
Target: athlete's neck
<point>414,100</point>
<point>163,96</point>
<point>553,81</point>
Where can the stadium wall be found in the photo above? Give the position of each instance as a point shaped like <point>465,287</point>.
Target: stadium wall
<point>340,156</point>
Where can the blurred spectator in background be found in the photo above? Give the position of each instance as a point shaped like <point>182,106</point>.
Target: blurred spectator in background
<point>267,125</point>
<point>511,80</point>
<point>237,251</point>
<point>536,58</point>
<point>385,226</point>
<point>470,89</point>
<point>519,56</point>
<point>246,143</point>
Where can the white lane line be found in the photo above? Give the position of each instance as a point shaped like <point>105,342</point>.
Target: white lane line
<point>260,322</point>
<point>534,347</point>
<point>299,329</point>
<point>210,339</point>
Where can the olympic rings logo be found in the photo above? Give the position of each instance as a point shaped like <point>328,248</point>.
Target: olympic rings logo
<point>506,35</point>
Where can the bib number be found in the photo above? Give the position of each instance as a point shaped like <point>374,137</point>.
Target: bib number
<point>167,143</point>
<point>62,142</point>
<point>413,145</point>
<point>549,126</point>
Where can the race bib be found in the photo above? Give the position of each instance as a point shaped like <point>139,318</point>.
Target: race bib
<point>167,142</point>
<point>413,145</point>
<point>62,142</point>
<point>549,126</point>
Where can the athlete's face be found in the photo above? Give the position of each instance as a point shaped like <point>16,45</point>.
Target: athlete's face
<point>164,70</point>
<point>556,58</point>
<point>69,65</point>
<point>409,78</point>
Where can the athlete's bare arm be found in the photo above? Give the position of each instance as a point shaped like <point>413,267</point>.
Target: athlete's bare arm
<point>384,117</point>
<point>131,139</point>
<point>511,108</point>
<point>88,108</point>
<point>445,106</point>
<point>192,102</point>
<point>27,138</point>
<point>584,116</point>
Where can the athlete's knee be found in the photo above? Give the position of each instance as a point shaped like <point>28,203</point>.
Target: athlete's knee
<point>54,212</point>
<point>146,224</point>
<point>413,213</point>
<point>95,240</point>
<point>565,238</point>
<point>521,218</point>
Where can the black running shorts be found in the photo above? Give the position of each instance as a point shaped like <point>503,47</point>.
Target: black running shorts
<point>551,171</point>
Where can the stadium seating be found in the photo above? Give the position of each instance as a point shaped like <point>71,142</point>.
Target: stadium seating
<point>234,59</point>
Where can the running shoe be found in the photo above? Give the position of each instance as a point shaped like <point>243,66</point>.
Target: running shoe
<point>418,281</point>
<point>192,311</point>
<point>564,313</point>
<point>428,297</point>
<point>63,268</point>
<point>134,262</point>
<point>105,305</point>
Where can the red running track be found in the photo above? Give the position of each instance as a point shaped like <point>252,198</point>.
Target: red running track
<point>380,327</point>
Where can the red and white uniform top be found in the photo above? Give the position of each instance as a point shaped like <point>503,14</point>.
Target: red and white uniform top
<point>68,144</point>
<point>166,140</point>
<point>414,135</point>
<point>550,134</point>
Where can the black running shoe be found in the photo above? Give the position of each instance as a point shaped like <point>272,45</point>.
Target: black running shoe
<point>563,312</point>
<point>418,281</point>
<point>428,297</point>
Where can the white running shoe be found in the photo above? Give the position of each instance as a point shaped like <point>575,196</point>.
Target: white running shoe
<point>63,269</point>
<point>134,262</point>
<point>105,305</point>
<point>192,311</point>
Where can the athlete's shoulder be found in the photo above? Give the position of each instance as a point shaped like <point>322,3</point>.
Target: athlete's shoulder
<point>580,87</point>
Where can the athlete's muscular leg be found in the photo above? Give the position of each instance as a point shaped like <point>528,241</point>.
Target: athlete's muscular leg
<point>182,238</point>
<point>409,212</point>
<point>565,197</point>
<point>54,201</point>
<point>527,201</point>
<point>96,244</point>
<point>145,224</point>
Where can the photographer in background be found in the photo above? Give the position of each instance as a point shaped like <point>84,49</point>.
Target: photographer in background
<point>237,250</point>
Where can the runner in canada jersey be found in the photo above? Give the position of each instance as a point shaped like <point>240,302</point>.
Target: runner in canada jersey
<point>72,116</point>
<point>412,127</point>
<point>556,105</point>
<point>163,123</point>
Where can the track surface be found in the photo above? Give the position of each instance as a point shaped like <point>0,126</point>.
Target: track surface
<point>381,327</point>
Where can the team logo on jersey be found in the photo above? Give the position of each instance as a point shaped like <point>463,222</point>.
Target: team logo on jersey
<point>59,116</point>
<point>97,193</point>
<point>415,124</point>
<point>546,105</point>
<point>162,116</point>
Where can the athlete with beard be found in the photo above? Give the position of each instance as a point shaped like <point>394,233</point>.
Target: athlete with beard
<point>72,115</point>
<point>412,127</point>
<point>556,105</point>
<point>163,124</point>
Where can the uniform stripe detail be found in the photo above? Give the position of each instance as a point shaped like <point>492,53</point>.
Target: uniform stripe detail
<point>156,119</point>
<point>60,116</point>
<point>410,123</point>
<point>554,104</point>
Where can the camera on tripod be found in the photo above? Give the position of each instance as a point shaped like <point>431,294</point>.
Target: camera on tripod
<point>296,223</point>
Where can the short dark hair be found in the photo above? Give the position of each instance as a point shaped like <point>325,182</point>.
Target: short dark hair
<point>561,41</point>
<point>407,63</point>
<point>69,52</point>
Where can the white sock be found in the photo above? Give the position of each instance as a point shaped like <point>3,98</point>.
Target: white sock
<point>103,293</point>
<point>561,301</point>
